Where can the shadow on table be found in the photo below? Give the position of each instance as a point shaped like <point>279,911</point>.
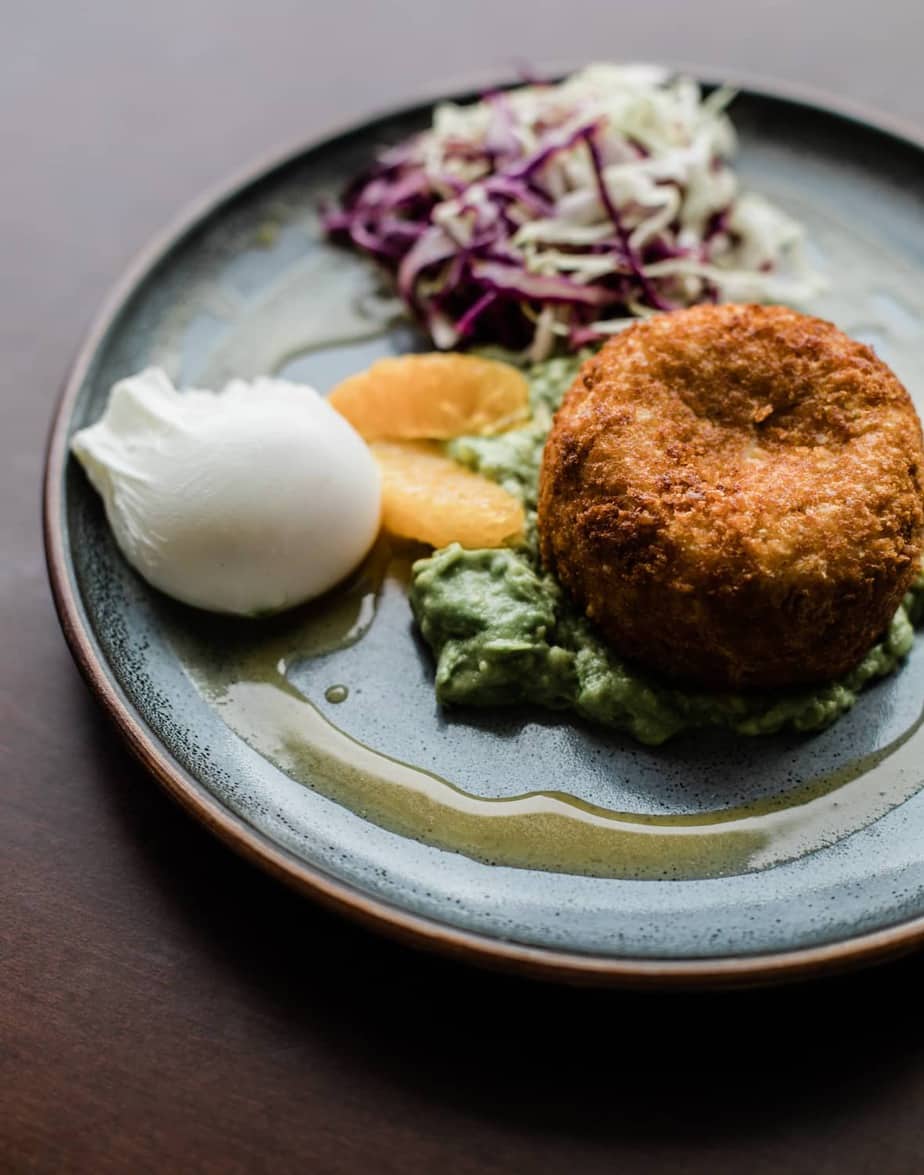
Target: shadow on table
<point>599,1063</point>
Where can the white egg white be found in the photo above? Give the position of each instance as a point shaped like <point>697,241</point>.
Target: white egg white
<point>247,500</point>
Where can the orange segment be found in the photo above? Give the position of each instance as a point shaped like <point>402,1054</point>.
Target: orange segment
<point>428,497</point>
<point>432,397</point>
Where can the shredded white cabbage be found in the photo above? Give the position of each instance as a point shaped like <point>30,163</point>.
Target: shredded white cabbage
<point>664,149</point>
<point>560,212</point>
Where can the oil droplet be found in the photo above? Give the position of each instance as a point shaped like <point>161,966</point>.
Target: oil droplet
<point>244,672</point>
<point>552,830</point>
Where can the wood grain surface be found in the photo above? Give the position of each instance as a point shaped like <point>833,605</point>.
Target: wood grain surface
<point>165,1008</point>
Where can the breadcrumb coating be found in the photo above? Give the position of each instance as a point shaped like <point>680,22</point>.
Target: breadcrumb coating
<point>734,495</point>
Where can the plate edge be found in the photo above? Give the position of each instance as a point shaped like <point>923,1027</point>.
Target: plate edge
<point>412,929</point>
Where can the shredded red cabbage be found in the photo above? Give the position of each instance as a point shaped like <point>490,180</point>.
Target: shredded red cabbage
<point>556,213</point>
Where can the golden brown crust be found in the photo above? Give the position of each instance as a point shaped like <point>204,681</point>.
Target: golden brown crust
<point>734,495</point>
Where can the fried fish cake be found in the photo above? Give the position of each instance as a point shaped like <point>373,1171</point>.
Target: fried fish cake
<point>733,494</point>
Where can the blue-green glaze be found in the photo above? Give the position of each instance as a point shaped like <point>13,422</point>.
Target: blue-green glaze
<point>868,222</point>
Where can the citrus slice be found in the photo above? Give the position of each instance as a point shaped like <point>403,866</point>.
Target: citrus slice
<point>432,397</point>
<point>428,497</point>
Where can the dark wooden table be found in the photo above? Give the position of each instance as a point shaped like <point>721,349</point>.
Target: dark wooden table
<point>165,1008</point>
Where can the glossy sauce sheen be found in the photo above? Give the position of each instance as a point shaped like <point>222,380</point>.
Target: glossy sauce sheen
<point>245,671</point>
<point>249,681</point>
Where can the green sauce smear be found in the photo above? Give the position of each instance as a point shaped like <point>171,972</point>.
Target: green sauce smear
<point>503,631</point>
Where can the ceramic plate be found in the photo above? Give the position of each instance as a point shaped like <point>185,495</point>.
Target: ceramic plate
<point>822,861</point>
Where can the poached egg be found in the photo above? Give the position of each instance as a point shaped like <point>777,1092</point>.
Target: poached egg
<point>246,501</point>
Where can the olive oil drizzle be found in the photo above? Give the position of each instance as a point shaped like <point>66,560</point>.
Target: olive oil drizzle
<point>249,683</point>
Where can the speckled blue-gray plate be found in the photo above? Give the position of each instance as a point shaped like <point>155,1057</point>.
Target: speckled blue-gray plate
<point>232,291</point>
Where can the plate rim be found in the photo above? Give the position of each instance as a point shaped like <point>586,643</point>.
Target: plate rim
<point>342,897</point>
